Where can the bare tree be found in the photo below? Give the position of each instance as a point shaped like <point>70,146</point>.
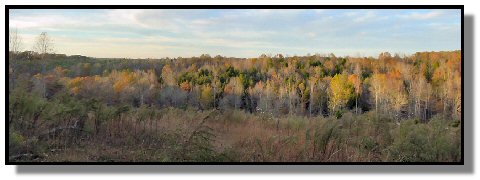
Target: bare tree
<point>14,41</point>
<point>15,44</point>
<point>43,46</point>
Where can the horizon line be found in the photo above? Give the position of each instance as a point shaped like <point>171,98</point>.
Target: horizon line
<point>267,54</point>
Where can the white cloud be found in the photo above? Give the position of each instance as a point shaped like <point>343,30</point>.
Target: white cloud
<point>423,16</point>
<point>159,33</point>
<point>370,15</point>
<point>39,21</point>
<point>125,17</point>
<point>366,16</point>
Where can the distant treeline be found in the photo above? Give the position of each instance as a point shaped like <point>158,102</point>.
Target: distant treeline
<point>418,86</point>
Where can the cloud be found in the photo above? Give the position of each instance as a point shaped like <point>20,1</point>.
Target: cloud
<point>365,16</point>
<point>370,15</point>
<point>423,16</point>
<point>125,17</point>
<point>242,33</point>
<point>39,21</point>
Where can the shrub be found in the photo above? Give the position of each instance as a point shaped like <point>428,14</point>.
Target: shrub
<point>435,141</point>
<point>16,143</point>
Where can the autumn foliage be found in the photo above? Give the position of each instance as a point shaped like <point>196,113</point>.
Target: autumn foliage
<point>269,108</point>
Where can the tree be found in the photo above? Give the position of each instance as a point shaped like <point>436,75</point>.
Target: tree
<point>291,93</point>
<point>145,82</point>
<point>322,94</point>
<point>185,85</point>
<point>304,99</point>
<point>395,91</point>
<point>269,92</point>
<point>355,80</point>
<point>206,97</point>
<point>44,46</point>
<point>15,44</point>
<point>216,87</point>
<point>124,81</point>
<point>257,91</point>
<point>168,75</point>
<point>383,60</point>
<point>341,91</point>
<point>312,83</point>
<point>234,91</point>
<point>377,87</point>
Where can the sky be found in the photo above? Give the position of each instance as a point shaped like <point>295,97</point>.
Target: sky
<point>129,33</point>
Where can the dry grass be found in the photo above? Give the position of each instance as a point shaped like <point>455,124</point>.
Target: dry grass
<point>172,134</point>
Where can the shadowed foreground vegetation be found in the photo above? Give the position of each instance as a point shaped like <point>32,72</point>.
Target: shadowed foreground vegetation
<point>49,131</point>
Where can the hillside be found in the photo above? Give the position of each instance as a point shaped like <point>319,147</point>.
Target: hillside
<point>271,108</point>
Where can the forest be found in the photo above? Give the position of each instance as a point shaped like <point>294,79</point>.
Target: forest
<point>270,108</point>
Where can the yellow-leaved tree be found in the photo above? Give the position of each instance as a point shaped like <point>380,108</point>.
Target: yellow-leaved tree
<point>340,91</point>
<point>206,97</point>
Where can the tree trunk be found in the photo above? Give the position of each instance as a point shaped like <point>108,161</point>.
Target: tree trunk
<point>266,103</point>
<point>44,83</point>
<point>356,105</point>
<point>376,102</point>
<point>259,101</point>
<point>214,93</point>
<point>235,94</point>
<point>13,71</point>
<point>311,99</point>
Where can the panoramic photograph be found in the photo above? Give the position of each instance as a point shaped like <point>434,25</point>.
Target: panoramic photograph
<point>234,86</point>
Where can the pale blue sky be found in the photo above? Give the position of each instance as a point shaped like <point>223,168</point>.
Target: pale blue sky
<point>240,33</point>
